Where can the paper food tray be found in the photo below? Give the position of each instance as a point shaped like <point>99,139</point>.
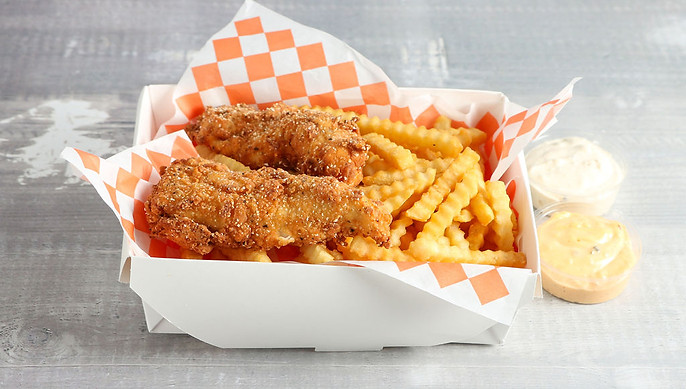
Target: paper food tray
<point>277,305</point>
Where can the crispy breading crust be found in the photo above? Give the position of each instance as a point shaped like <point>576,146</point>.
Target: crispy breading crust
<point>200,204</point>
<point>298,140</point>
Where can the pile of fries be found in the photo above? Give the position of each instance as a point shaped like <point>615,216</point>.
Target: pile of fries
<point>432,181</point>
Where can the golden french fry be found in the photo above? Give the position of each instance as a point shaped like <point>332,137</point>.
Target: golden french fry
<point>230,163</point>
<point>365,249</point>
<point>217,254</point>
<point>427,154</point>
<point>189,254</point>
<point>502,223</point>
<point>388,177</point>
<point>480,208</point>
<point>443,123</point>
<point>318,253</point>
<point>469,137</point>
<point>440,164</point>
<point>409,237</point>
<point>453,204</point>
<point>456,236</point>
<point>399,229</point>
<point>425,207</point>
<point>374,165</point>
<point>245,255</point>
<point>416,182</point>
<point>431,250</point>
<point>204,151</point>
<point>475,235</point>
<point>392,153</point>
<point>411,136</point>
<point>464,216</point>
<point>207,153</point>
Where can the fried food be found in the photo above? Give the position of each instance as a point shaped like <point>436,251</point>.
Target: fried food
<point>201,204</point>
<point>298,140</point>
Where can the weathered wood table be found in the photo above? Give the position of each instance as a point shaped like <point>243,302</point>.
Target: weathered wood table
<point>71,72</point>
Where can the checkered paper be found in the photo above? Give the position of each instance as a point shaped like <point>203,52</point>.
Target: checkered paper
<point>261,58</point>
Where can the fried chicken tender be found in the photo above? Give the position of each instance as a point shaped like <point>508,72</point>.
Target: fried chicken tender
<point>298,140</point>
<point>200,204</point>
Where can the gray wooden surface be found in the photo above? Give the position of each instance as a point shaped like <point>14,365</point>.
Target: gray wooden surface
<point>70,74</point>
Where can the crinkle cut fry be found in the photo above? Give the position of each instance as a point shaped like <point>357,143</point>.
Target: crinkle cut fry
<point>469,137</point>
<point>455,201</point>
<point>424,208</point>
<point>433,251</point>
<point>502,225</point>
<point>363,249</point>
<point>407,135</point>
<point>396,155</point>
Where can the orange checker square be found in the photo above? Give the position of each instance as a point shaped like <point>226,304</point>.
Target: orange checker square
<point>428,117</point>
<point>240,93</point>
<point>498,144</point>
<point>376,94</point>
<point>311,56</point>
<point>129,228</point>
<point>343,75</point>
<point>191,105</point>
<point>140,221</point>
<point>113,196</point>
<point>489,286</point>
<point>488,124</point>
<point>279,40</point>
<point>324,100</point>
<point>528,124</point>
<point>174,127</point>
<point>400,114</point>
<point>140,167</point>
<point>183,148</point>
<point>402,266</point>
<point>291,86</point>
<point>227,48</point>
<point>358,109</point>
<point>250,26</point>
<point>516,118</point>
<point>548,117</point>
<point>447,273</point>
<point>259,66</point>
<point>90,161</point>
<point>207,76</point>
<point>507,146</point>
<point>126,182</point>
<point>158,159</point>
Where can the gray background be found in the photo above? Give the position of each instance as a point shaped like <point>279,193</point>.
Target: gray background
<point>71,72</point>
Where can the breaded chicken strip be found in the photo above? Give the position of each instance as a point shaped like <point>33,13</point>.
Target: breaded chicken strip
<point>298,140</point>
<point>200,204</point>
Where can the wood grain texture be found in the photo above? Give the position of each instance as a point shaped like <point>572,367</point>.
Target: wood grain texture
<point>66,321</point>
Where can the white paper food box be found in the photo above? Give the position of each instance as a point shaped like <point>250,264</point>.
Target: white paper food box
<point>278,305</point>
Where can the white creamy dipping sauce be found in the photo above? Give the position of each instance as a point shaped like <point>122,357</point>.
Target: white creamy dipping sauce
<point>573,169</point>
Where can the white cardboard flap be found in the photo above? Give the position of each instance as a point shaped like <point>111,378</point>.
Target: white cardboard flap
<point>256,305</point>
